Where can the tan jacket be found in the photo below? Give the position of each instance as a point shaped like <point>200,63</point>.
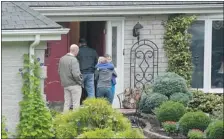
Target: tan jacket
<point>69,71</point>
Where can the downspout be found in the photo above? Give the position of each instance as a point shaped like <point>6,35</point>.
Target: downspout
<point>32,49</point>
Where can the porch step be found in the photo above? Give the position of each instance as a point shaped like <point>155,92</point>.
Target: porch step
<point>127,111</point>
<point>58,105</point>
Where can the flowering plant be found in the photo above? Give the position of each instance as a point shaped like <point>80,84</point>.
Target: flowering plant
<point>195,134</point>
<point>4,129</point>
<point>170,127</point>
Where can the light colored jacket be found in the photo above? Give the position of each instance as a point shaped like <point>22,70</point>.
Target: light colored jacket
<point>69,71</point>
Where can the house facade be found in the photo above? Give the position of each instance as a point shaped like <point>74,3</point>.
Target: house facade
<point>108,27</point>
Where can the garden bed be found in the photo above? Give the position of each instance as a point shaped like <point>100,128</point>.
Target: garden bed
<point>156,128</point>
<point>151,127</point>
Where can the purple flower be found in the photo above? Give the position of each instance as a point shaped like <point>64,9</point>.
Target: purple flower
<point>20,69</point>
<point>38,59</point>
<point>78,124</point>
<point>41,64</point>
<point>6,129</point>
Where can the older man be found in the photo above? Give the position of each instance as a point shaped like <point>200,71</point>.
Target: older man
<point>71,78</point>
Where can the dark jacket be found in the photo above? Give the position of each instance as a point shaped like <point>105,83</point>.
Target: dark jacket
<point>69,71</point>
<point>87,59</point>
<point>111,67</point>
<point>104,74</point>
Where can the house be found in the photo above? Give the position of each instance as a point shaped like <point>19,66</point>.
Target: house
<point>47,29</point>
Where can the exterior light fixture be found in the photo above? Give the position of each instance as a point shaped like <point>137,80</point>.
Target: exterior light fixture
<point>136,30</point>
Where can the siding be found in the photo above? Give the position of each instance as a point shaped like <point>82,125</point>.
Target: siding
<point>12,60</point>
<point>152,30</point>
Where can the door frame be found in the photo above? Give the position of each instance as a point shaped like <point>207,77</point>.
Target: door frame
<point>109,23</point>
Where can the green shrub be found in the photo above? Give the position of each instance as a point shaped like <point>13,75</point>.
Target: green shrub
<point>177,45</point>
<point>193,120</point>
<point>195,134</point>
<point>205,102</point>
<point>218,113</point>
<point>98,133</point>
<point>35,118</point>
<point>149,102</point>
<point>95,114</point>
<point>131,133</point>
<point>170,111</point>
<point>170,127</point>
<point>54,113</point>
<point>64,126</point>
<point>170,83</point>
<point>108,133</point>
<point>4,129</point>
<point>215,130</point>
<point>180,97</point>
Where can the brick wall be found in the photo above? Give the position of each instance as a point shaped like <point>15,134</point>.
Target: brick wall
<point>12,61</point>
<point>152,30</point>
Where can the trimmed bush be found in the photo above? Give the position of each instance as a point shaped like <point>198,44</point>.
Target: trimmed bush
<point>170,111</point>
<point>218,113</point>
<point>108,133</point>
<point>98,133</point>
<point>195,134</point>
<point>215,130</point>
<point>193,120</point>
<point>64,126</point>
<point>149,102</point>
<point>95,114</point>
<point>180,97</point>
<point>205,102</point>
<point>170,83</point>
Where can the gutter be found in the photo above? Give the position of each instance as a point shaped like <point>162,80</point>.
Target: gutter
<point>35,31</point>
<point>127,10</point>
<point>30,35</point>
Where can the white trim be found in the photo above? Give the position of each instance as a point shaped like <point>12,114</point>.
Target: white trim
<point>108,38</point>
<point>122,58</point>
<point>128,10</point>
<point>207,55</point>
<point>119,58</point>
<point>29,35</point>
<point>36,31</point>
<point>209,16</point>
<point>73,19</point>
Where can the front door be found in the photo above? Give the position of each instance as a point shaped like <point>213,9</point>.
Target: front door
<point>55,50</point>
<point>114,47</point>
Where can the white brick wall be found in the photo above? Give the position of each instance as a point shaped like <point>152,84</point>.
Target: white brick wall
<point>152,30</point>
<point>12,60</point>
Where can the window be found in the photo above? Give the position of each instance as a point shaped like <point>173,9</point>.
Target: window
<point>197,47</point>
<point>114,46</point>
<point>207,55</point>
<point>217,55</point>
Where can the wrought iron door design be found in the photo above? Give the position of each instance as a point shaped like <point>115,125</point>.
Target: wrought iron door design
<point>143,63</point>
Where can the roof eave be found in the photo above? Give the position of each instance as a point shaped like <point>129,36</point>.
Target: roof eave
<point>29,34</point>
<point>130,10</point>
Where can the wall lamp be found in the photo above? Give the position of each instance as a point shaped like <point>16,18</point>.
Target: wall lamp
<point>136,30</point>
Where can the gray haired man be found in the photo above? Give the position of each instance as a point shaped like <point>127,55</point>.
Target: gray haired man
<point>71,78</point>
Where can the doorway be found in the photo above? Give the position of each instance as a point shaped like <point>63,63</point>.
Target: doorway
<point>105,36</point>
<point>93,32</point>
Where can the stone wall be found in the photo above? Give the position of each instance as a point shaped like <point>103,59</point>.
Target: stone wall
<point>153,30</point>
